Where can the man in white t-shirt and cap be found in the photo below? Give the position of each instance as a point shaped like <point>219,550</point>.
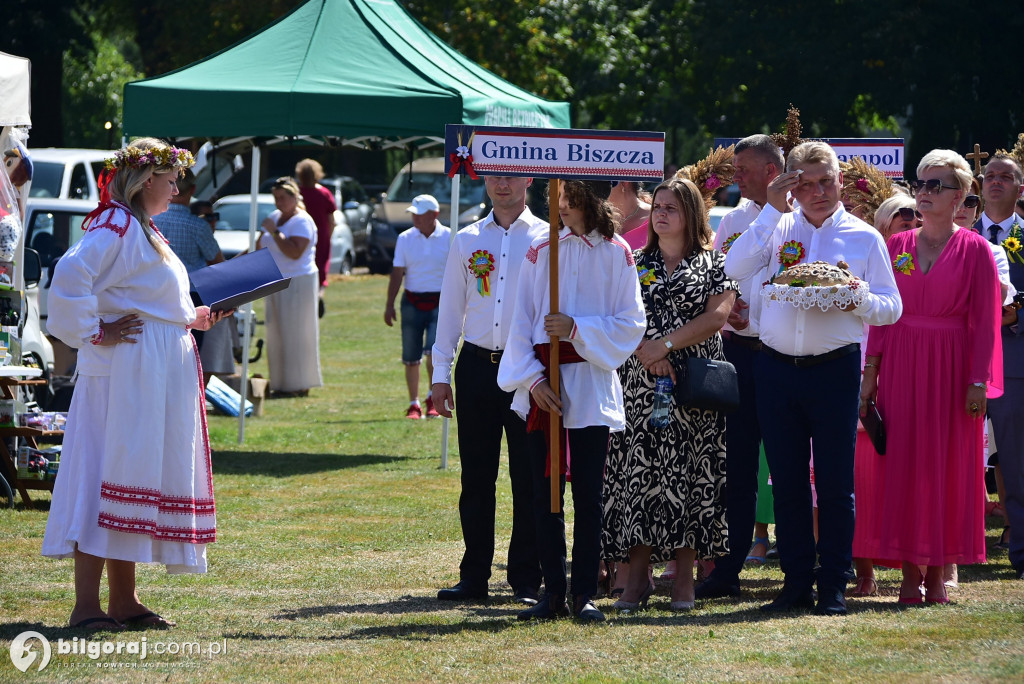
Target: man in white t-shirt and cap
<point>420,255</point>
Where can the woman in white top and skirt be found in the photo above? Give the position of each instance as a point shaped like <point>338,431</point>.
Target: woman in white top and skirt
<point>135,484</point>
<point>293,328</point>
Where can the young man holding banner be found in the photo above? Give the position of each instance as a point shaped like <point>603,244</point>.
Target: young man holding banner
<point>599,323</point>
<point>477,295</point>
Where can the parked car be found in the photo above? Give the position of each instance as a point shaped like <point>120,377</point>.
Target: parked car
<point>232,233</point>
<point>355,203</point>
<point>51,227</point>
<point>425,177</point>
<point>60,173</point>
<point>36,349</point>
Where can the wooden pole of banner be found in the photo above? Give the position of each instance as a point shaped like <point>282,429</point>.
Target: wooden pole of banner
<point>556,381</point>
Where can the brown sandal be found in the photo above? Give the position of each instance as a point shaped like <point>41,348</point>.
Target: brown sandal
<point>866,586</point>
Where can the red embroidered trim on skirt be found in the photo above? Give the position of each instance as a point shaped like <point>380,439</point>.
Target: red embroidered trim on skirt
<point>140,496</point>
<point>148,527</point>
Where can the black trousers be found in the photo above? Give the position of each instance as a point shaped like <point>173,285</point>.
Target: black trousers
<point>484,413</point>
<point>588,448</point>
<point>742,459</point>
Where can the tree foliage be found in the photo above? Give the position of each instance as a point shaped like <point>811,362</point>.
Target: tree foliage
<point>94,81</point>
<point>693,68</point>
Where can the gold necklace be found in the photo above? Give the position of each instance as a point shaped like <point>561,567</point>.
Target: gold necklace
<point>936,245</point>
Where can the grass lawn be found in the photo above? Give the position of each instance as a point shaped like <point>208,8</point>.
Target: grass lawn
<point>337,527</point>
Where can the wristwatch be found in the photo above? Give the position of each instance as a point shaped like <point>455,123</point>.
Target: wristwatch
<point>979,384</point>
<point>668,344</point>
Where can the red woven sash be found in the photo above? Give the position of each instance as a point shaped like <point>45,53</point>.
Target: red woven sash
<point>538,419</point>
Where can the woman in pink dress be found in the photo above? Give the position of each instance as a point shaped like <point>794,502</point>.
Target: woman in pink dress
<point>894,215</point>
<point>932,372</point>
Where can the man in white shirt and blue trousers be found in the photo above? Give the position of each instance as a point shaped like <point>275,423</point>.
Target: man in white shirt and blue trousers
<point>808,372</point>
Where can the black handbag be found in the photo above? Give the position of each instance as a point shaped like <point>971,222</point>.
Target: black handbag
<point>875,428</point>
<point>707,384</point>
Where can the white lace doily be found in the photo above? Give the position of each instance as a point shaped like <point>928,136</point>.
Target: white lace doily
<point>823,297</point>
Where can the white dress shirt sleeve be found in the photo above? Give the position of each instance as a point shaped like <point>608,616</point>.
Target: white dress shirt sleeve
<point>399,259</point>
<point>751,253</point>
<point>96,260</point>
<point>451,315</point>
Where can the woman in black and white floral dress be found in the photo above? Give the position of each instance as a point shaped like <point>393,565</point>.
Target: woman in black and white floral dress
<point>664,488</point>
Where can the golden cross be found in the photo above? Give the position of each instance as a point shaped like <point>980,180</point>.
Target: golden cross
<point>977,156</point>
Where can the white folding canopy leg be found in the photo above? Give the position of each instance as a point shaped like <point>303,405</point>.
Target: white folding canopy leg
<point>243,386</point>
<point>446,425</point>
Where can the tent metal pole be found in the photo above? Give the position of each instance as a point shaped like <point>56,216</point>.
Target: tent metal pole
<point>446,425</point>
<point>247,316</point>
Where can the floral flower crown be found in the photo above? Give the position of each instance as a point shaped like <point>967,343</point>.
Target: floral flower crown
<point>160,157</point>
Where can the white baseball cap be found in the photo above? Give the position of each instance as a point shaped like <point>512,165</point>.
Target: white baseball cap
<point>421,204</point>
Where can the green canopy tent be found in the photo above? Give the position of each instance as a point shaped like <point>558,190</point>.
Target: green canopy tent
<point>339,71</point>
<point>347,69</point>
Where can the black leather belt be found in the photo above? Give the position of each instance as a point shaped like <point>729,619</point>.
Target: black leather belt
<point>486,354</point>
<point>805,361</point>
<point>742,340</point>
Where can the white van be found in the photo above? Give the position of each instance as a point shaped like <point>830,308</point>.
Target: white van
<point>67,173</point>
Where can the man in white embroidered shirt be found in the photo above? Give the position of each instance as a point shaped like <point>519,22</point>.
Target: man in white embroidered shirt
<point>477,297</point>
<point>808,372</point>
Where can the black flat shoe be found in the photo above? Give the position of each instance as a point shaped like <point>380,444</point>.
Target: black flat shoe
<point>528,597</point>
<point>830,602</point>
<point>791,599</point>
<point>585,611</point>
<point>548,608</point>
<point>463,592</point>
<point>712,588</point>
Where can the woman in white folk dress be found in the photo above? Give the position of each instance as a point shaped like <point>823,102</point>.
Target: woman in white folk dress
<point>293,327</point>
<point>135,482</point>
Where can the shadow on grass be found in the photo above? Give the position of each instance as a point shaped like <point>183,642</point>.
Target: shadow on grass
<point>497,607</point>
<point>286,464</point>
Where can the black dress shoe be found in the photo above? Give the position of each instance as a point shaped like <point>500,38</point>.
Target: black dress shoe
<point>527,597</point>
<point>830,602</point>
<point>791,599</point>
<point>1019,571</point>
<point>713,588</point>
<point>548,608</point>
<point>463,592</point>
<point>585,611</point>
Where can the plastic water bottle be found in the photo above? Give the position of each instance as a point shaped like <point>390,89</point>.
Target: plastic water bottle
<point>662,402</point>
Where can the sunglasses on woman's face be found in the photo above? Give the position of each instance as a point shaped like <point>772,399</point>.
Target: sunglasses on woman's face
<point>906,214</point>
<point>972,201</point>
<point>930,186</point>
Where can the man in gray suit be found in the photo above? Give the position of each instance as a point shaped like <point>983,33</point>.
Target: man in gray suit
<point>1001,189</point>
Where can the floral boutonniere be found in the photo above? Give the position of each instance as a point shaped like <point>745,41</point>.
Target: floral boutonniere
<point>727,245</point>
<point>904,263</point>
<point>790,254</point>
<point>1013,244</point>
<point>646,274</point>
